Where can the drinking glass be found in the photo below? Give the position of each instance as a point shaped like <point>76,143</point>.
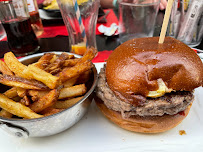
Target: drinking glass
<point>137,18</point>
<point>89,13</point>
<point>186,21</point>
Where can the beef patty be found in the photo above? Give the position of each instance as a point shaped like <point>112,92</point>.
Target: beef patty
<point>171,103</point>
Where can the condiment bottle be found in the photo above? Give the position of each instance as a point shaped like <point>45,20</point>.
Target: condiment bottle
<point>34,17</point>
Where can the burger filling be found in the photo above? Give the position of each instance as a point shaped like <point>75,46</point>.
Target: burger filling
<point>170,103</point>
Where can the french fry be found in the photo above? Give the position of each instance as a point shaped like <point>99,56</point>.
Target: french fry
<point>46,57</point>
<point>46,101</point>
<point>14,65</point>
<point>25,101</point>
<point>38,74</point>
<point>50,111</point>
<point>71,56</point>
<point>17,108</point>
<point>71,62</point>
<point>57,63</point>
<point>4,68</point>
<point>84,77</point>
<point>67,103</point>
<point>73,91</point>
<point>44,61</point>
<point>37,89</point>
<point>70,82</point>
<point>11,93</point>
<point>21,92</point>
<point>54,58</point>
<point>89,55</point>
<point>17,99</point>
<point>64,93</point>
<point>14,81</point>
<point>36,94</point>
<point>74,71</point>
<point>5,114</point>
<point>55,71</point>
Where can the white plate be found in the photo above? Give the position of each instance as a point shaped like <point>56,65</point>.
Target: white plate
<point>94,133</point>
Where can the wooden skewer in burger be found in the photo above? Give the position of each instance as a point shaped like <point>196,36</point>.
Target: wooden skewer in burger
<point>147,86</point>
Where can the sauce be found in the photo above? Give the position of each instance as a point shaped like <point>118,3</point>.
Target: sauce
<point>182,113</point>
<point>182,132</point>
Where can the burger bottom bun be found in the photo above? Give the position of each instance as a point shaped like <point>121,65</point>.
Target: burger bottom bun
<point>150,124</point>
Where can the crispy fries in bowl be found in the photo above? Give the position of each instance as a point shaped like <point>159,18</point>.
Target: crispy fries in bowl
<point>29,109</point>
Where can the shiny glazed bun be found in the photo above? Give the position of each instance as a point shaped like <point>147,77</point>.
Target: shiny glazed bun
<point>148,87</point>
<point>134,67</point>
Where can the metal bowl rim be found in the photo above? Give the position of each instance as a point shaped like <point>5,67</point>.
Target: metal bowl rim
<point>53,115</point>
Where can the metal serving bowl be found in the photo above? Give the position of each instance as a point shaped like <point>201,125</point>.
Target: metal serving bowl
<point>55,123</point>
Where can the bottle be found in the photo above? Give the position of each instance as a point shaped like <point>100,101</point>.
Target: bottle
<point>36,21</point>
<point>15,19</point>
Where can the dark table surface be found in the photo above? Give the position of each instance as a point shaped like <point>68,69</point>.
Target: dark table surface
<point>61,43</point>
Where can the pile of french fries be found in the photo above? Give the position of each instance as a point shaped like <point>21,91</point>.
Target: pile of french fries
<point>50,85</point>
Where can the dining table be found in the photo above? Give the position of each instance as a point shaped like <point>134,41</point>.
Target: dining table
<point>55,36</point>
<point>94,132</point>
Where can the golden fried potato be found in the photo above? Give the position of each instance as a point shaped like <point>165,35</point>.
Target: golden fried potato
<point>50,111</point>
<point>45,102</point>
<point>84,77</point>
<point>73,91</point>
<point>54,58</point>
<point>21,92</point>
<point>37,94</point>
<point>71,62</point>
<point>5,114</point>
<point>14,65</point>
<point>4,68</point>
<point>70,82</point>
<point>38,74</point>
<point>25,101</point>
<point>17,108</point>
<point>11,93</point>
<point>67,103</point>
<point>44,61</point>
<point>74,71</point>
<point>89,55</point>
<point>14,81</point>
<point>37,89</point>
<point>57,63</point>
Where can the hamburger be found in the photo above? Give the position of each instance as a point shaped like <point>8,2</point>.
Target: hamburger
<point>148,87</point>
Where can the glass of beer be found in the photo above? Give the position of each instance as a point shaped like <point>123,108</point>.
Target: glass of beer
<point>15,19</point>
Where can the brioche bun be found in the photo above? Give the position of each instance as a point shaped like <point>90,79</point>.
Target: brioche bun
<point>132,71</point>
<point>134,67</point>
<point>150,124</point>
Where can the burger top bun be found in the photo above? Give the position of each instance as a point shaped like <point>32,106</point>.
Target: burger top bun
<point>133,68</point>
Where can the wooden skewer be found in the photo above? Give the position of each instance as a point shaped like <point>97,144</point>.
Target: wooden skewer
<point>165,22</point>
